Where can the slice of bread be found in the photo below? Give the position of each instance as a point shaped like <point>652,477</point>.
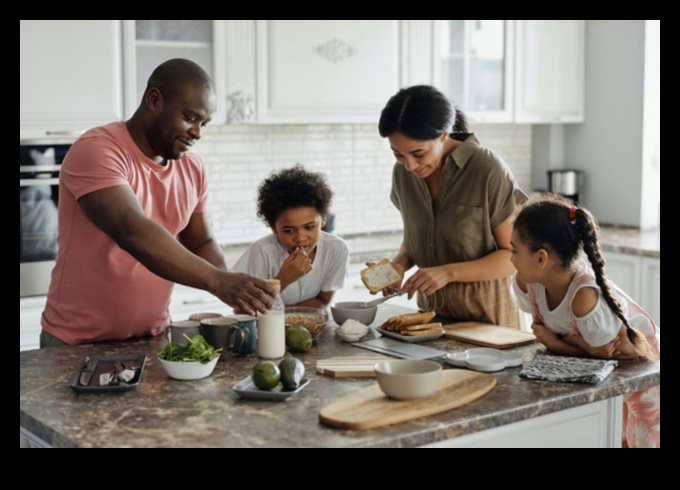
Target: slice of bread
<point>424,326</point>
<point>434,328</point>
<point>379,276</point>
<point>396,323</point>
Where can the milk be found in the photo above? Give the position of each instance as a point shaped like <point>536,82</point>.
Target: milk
<point>271,335</point>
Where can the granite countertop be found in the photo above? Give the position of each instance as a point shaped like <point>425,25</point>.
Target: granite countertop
<point>631,241</point>
<point>162,412</point>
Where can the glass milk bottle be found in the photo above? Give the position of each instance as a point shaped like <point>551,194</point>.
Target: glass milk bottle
<point>271,327</point>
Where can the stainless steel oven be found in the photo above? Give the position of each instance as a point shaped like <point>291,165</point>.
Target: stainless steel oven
<point>40,163</point>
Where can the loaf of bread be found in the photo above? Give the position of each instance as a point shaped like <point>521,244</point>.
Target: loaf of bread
<point>380,275</point>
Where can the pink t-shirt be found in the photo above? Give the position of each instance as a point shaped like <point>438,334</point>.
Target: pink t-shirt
<point>98,290</point>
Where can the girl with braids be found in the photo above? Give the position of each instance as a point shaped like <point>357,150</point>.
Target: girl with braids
<point>310,263</point>
<point>576,310</point>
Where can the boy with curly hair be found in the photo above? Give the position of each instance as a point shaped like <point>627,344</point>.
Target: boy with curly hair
<point>310,263</point>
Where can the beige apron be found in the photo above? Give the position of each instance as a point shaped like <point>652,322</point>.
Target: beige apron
<point>482,301</point>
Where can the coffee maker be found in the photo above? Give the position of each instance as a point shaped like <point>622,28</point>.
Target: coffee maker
<point>566,182</point>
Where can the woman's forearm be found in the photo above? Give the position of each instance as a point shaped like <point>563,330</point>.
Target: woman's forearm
<point>492,266</point>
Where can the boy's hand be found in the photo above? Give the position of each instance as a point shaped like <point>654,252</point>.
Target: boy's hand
<point>296,265</point>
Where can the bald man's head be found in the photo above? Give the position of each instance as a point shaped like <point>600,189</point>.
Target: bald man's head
<point>174,75</point>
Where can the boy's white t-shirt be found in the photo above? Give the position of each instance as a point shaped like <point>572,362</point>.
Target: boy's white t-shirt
<point>263,259</point>
<point>599,326</point>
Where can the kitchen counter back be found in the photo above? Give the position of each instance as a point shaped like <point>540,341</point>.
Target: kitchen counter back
<point>162,412</point>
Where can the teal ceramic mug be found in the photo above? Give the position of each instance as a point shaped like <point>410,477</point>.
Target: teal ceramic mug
<point>243,336</point>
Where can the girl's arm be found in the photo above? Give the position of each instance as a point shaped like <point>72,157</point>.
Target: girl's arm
<point>556,343</point>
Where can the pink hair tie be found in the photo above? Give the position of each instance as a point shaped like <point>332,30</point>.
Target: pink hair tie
<point>572,214</point>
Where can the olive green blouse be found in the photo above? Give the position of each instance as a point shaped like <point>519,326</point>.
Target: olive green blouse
<point>477,192</point>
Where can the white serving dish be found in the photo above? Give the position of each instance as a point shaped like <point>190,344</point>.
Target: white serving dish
<point>188,370</point>
<point>484,359</point>
<point>246,389</point>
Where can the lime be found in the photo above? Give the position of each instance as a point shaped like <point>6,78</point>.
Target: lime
<point>298,339</point>
<point>292,371</point>
<point>266,375</point>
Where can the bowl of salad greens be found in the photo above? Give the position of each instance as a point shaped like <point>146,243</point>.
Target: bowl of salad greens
<point>194,360</point>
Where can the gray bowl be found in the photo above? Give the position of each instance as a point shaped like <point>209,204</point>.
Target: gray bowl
<point>353,310</point>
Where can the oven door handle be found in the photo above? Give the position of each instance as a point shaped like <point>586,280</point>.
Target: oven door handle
<point>32,182</point>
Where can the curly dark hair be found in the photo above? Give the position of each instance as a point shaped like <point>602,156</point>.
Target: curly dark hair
<point>291,188</point>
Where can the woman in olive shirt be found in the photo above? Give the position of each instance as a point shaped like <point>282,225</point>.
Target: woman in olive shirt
<point>456,199</point>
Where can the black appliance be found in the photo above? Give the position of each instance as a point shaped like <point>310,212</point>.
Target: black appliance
<point>39,166</point>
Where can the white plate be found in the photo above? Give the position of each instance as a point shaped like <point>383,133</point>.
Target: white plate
<point>484,359</point>
<point>414,339</point>
<point>247,389</point>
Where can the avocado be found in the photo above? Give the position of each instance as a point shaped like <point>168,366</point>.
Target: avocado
<point>298,339</point>
<point>292,372</point>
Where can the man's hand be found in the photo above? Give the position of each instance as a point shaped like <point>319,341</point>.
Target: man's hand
<point>245,293</point>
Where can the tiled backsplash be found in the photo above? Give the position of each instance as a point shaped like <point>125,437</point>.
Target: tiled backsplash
<point>357,161</point>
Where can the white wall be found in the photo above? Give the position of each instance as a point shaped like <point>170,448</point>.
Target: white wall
<point>357,161</point>
<point>608,146</point>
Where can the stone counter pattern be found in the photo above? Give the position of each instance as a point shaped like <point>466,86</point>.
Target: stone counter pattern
<point>162,412</point>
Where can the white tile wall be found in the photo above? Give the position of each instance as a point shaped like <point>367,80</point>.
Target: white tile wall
<point>355,158</point>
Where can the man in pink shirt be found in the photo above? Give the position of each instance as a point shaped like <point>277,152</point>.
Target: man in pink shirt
<point>133,221</point>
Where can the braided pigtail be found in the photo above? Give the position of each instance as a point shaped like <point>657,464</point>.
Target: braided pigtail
<point>587,229</point>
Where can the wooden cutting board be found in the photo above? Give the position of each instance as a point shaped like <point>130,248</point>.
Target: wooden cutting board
<point>348,367</point>
<point>488,335</point>
<point>370,408</point>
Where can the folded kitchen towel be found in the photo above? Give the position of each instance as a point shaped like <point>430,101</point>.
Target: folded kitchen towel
<point>569,369</point>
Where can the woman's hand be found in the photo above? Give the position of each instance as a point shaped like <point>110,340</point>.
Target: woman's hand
<point>296,265</point>
<point>426,281</point>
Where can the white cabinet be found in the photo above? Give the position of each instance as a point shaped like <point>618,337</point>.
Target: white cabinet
<point>326,71</point>
<point>650,287</point>
<point>473,65</point>
<point>594,425</point>
<point>638,276</point>
<point>30,312</point>
<point>148,43</point>
<point>70,75</point>
<point>550,71</point>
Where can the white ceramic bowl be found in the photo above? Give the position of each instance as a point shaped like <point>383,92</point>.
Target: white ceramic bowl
<point>353,310</point>
<point>188,370</point>
<point>405,379</point>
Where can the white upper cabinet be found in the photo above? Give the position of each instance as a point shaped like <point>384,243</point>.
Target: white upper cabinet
<point>326,71</point>
<point>473,66</point>
<point>148,43</point>
<point>70,75</point>
<point>550,71</point>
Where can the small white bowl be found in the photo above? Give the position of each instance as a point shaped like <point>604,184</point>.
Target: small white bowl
<point>406,379</point>
<point>188,370</point>
<point>353,310</point>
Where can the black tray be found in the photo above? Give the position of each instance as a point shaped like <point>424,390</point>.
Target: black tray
<point>105,364</point>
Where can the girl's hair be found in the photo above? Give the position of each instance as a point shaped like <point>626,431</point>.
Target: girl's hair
<point>552,222</point>
<point>421,112</point>
<point>291,188</point>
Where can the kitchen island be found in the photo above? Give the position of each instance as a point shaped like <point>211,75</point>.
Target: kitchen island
<point>162,412</point>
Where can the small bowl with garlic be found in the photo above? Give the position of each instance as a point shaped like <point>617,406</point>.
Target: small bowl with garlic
<point>352,330</point>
